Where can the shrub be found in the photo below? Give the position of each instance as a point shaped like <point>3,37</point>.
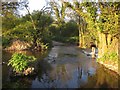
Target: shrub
<point>20,62</point>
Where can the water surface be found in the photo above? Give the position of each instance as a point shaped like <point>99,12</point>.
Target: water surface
<point>62,67</point>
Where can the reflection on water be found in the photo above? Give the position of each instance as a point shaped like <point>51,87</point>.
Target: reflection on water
<point>71,69</point>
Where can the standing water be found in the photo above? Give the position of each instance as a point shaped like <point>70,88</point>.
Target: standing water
<point>62,67</point>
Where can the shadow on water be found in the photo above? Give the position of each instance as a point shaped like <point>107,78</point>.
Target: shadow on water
<point>71,69</point>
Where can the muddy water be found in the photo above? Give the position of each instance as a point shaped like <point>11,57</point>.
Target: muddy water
<point>62,67</point>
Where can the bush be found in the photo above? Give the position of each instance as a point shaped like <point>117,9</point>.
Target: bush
<point>20,62</point>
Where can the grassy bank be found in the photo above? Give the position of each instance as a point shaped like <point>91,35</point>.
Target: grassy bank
<point>110,61</point>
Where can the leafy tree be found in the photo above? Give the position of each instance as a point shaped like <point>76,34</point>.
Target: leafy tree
<point>70,29</point>
<point>59,11</point>
<point>9,14</point>
<point>107,27</point>
<point>31,27</point>
<point>102,22</point>
<point>83,19</point>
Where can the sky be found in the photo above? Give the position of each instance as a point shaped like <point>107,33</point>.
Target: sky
<point>34,5</point>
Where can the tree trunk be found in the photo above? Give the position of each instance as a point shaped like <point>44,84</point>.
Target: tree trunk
<point>107,43</point>
<point>81,37</point>
<point>102,47</point>
<point>80,40</point>
<point>81,34</point>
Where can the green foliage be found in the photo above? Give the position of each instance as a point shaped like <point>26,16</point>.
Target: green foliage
<point>59,11</point>
<point>68,40</point>
<point>113,56</point>
<point>108,23</point>
<point>72,40</point>
<point>69,32</point>
<point>44,46</point>
<point>5,41</point>
<point>69,29</point>
<point>40,35</point>
<point>22,28</point>
<point>20,62</point>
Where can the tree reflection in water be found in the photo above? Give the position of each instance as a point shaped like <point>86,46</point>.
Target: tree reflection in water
<point>102,79</point>
<point>76,71</point>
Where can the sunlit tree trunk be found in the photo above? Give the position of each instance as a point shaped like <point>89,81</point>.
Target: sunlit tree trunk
<point>81,38</point>
<point>107,43</point>
<point>102,47</point>
<point>81,32</point>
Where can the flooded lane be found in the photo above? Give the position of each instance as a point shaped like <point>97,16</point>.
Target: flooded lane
<point>67,67</point>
